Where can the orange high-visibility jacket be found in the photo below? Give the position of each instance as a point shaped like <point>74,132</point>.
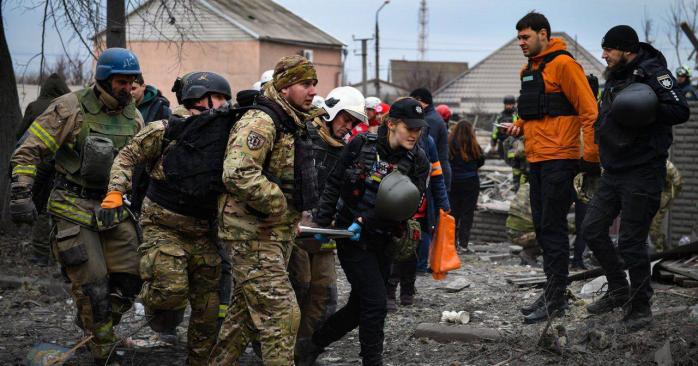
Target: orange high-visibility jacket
<point>557,137</point>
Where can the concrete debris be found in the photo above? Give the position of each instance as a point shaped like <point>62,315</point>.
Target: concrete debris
<point>663,355</point>
<point>693,315</point>
<point>456,285</point>
<point>598,339</point>
<point>458,333</point>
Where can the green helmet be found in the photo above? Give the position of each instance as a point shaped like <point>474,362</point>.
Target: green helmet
<point>585,186</point>
<point>397,198</point>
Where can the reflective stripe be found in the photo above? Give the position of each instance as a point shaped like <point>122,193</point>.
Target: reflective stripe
<point>44,136</point>
<point>24,169</point>
<point>69,212</point>
<point>222,310</point>
<point>436,169</point>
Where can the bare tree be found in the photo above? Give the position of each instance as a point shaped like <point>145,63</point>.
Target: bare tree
<point>423,76</point>
<point>81,20</point>
<point>680,11</point>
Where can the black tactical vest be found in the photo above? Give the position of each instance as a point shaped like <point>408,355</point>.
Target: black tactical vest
<point>325,156</point>
<point>358,193</point>
<point>534,102</point>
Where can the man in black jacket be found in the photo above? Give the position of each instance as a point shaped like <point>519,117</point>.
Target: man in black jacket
<point>437,130</point>
<point>633,153</point>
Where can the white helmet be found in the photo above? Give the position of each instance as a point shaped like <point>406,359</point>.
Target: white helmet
<point>373,103</point>
<point>345,98</point>
<point>257,85</point>
<point>267,76</point>
<point>318,101</point>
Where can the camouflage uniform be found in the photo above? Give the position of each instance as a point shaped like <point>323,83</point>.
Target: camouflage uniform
<point>519,223</point>
<point>179,258</point>
<point>672,187</point>
<point>516,158</point>
<point>258,222</point>
<point>101,263</point>
<point>311,268</point>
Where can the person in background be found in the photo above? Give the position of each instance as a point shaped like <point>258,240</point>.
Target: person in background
<point>672,187</point>
<point>374,111</point>
<point>445,113</point>
<point>466,157</point>
<point>437,130</point>
<point>683,81</point>
<point>508,115</point>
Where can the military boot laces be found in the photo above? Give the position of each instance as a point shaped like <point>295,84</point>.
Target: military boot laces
<point>637,317</point>
<point>610,300</point>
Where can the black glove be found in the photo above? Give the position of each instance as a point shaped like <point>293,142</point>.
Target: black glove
<point>107,217</point>
<point>22,209</point>
<point>593,169</point>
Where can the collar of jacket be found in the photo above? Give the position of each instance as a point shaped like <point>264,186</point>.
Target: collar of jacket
<point>325,134</point>
<point>298,117</point>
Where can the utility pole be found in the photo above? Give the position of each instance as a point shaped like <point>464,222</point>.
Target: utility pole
<point>116,23</point>
<point>423,31</point>
<point>376,82</point>
<point>364,67</point>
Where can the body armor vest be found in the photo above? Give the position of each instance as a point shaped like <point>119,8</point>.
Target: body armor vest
<point>85,163</point>
<point>534,102</point>
<point>360,190</point>
<point>325,156</point>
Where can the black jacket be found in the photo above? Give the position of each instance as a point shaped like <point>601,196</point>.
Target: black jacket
<point>622,148</point>
<point>439,132</point>
<point>52,88</point>
<point>327,208</point>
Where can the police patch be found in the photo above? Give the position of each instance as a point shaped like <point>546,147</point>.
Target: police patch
<point>255,140</point>
<point>665,81</point>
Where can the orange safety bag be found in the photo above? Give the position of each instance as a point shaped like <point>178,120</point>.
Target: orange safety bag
<point>442,254</point>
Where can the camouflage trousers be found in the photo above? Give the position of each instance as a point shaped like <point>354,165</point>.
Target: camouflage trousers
<point>264,305</point>
<point>181,265</point>
<point>103,271</point>
<point>314,280</point>
<point>656,231</point>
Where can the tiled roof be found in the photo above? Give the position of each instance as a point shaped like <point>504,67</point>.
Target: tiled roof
<point>486,83</point>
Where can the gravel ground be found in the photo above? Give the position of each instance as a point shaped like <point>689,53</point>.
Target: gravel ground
<point>30,315</point>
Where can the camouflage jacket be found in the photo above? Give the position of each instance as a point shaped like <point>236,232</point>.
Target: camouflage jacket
<point>673,184</point>
<point>520,217</point>
<point>256,208</point>
<point>60,124</point>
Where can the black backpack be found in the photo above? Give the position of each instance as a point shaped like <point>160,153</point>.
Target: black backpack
<point>194,147</point>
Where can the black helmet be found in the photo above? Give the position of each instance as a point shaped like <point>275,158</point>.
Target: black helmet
<point>196,85</point>
<point>635,105</point>
<point>397,198</point>
<point>510,99</point>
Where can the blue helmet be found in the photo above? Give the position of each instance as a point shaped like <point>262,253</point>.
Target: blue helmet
<point>116,60</point>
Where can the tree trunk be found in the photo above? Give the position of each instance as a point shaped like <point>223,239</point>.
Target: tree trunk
<point>9,121</point>
<point>116,23</point>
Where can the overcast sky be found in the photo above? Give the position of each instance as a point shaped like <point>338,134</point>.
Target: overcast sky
<point>458,30</point>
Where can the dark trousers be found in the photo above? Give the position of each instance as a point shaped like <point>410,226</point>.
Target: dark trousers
<point>367,271</point>
<point>403,273</point>
<point>463,200</point>
<point>635,195</point>
<point>552,193</point>
<point>580,210</point>
<point>424,246</point>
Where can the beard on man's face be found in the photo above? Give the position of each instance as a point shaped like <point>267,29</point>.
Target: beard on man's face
<point>123,97</point>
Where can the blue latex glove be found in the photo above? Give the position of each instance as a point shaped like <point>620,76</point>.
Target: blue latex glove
<point>356,229</point>
<point>321,238</point>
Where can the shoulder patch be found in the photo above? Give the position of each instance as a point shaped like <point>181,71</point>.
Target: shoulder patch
<point>255,140</point>
<point>665,81</point>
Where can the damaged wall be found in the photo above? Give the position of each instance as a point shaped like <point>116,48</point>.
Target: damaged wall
<point>684,214</point>
<point>489,226</point>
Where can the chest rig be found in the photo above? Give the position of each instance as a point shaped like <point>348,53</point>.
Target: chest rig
<point>534,102</point>
<point>366,175</point>
<point>325,156</point>
<point>87,161</point>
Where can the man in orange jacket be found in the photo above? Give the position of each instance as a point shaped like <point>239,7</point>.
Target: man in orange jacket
<point>551,131</point>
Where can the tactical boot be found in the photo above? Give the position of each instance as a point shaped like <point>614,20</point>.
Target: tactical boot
<point>554,305</point>
<point>169,338</point>
<point>527,309</point>
<point>610,300</point>
<point>638,316</point>
<point>528,257</point>
<point>307,352</point>
<point>406,299</point>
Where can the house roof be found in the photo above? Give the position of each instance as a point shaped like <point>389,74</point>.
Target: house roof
<point>485,84</point>
<point>263,20</point>
<point>267,20</point>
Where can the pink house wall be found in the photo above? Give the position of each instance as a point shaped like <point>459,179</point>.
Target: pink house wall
<point>236,61</point>
<point>240,62</point>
